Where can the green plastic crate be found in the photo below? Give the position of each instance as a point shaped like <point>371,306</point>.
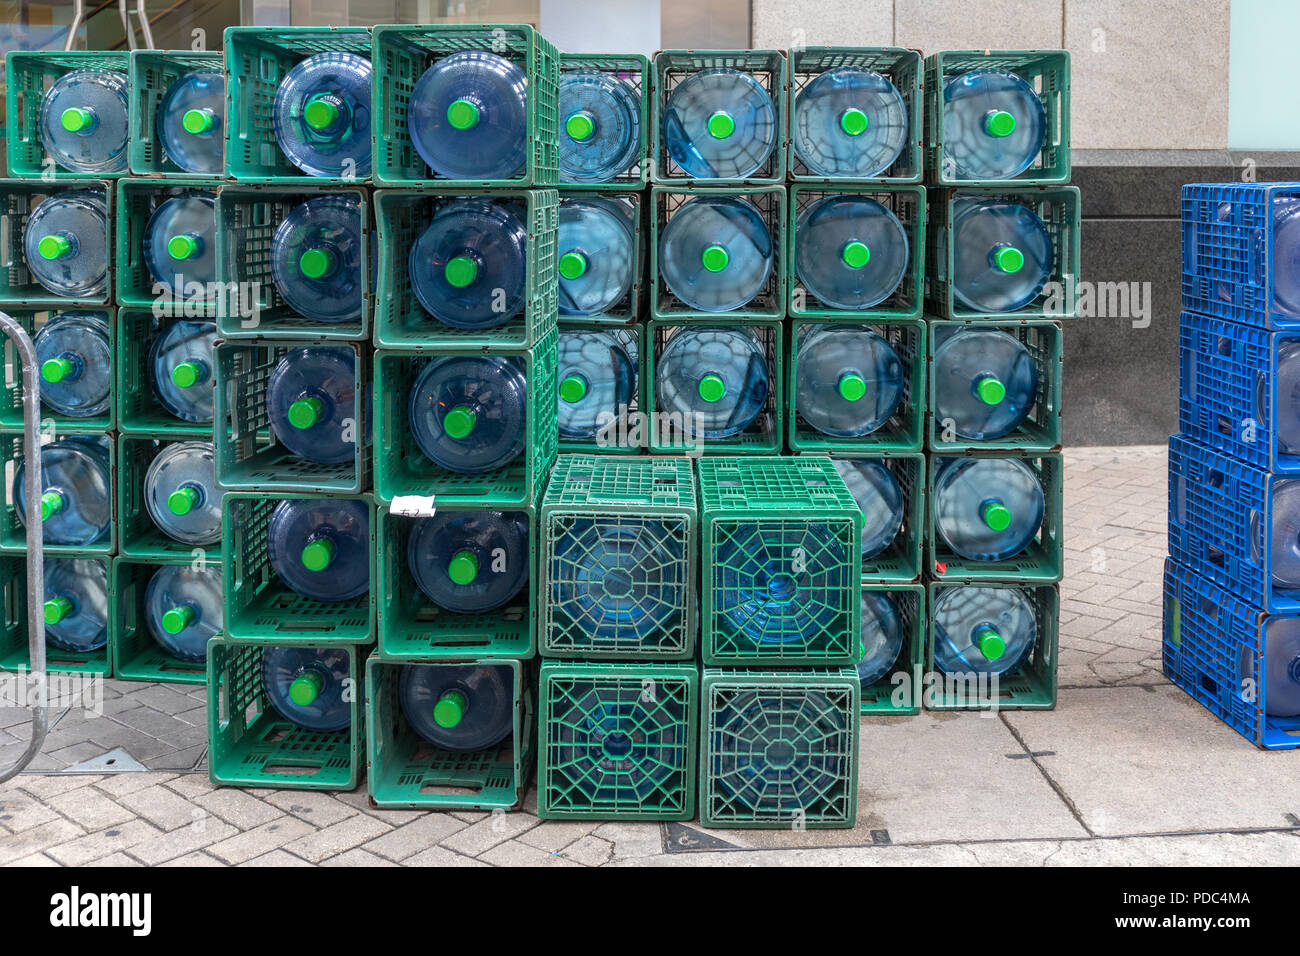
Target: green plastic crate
<point>401,56</point>
<point>634,70</point>
<point>400,320</point>
<point>152,74</point>
<point>257,60</point>
<point>666,433</point>
<point>11,396</point>
<point>779,534</point>
<point>138,535</point>
<point>905,202</point>
<point>134,652</point>
<point>770,302</point>
<point>905,430</point>
<point>412,627</point>
<point>901,67</point>
<point>15,656</point>
<point>768,67</point>
<point>1058,207</point>
<point>901,561</point>
<point>13,535</point>
<point>636,519</point>
<point>252,307</point>
<point>138,410</point>
<point>1030,687</point>
<point>137,200</point>
<point>626,434</point>
<point>1042,562</point>
<point>779,749</point>
<point>1047,71</point>
<point>259,606</point>
<point>632,305</point>
<point>898,693</point>
<point>248,456</point>
<point>402,469</point>
<point>617,741</point>
<point>251,745</point>
<point>18,200</point>
<point>28,76</point>
<point>406,772</point>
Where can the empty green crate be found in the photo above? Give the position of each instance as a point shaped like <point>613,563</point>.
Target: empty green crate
<point>401,468</point>
<point>632,305</point>
<point>898,692</point>
<point>257,61</point>
<point>152,74</point>
<point>11,396</point>
<point>617,741</point>
<point>137,200</point>
<point>400,319</point>
<point>138,410</point>
<point>1047,71</point>
<point>625,434</point>
<point>248,456</point>
<point>404,771</point>
<point>668,433</point>
<point>247,219</point>
<point>904,431</point>
<point>901,67</point>
<point>900,561</point>
<point>138,536</point>
<point>768,67</point>
<point>15,652</point>
<point>779,749</point>
<point>13,534</point>
<point>769,302</point>
<point>413,627</point>
<point>634,70</point>
<point>251,745</point>
<point>29,75</point>
<point>18,200</point>
<point>1032,686</point>
<point>259,606</point>
<point>619,551</point>
<point>780,557</point>
<point>1057,207</point>
<point>135,653</point>
<point>402,54</point>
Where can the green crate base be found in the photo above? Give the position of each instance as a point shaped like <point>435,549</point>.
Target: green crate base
<point>898,693</point>
<point>18,200</point>
<point>138,409</point>
<point>134,652</point>
<point>11,396</point>
<point>152,75</point>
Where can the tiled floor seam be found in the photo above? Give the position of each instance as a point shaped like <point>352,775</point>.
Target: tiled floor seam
<point>1056,787</point>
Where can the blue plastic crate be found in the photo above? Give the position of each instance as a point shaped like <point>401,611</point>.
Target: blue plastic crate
<point>1228,269</point>
<point>1214,648</point>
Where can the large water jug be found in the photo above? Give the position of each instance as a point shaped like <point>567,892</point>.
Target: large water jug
<point>851,251</point>
<point>461,708</point>
<point>65,243</point>
<point>993,125</point>
<point>979,630</point>
<point>987,509</point>
<point>469,267</point>
<point>715,253</point>
<point>191,121</point>
<point>320,547</point>
<point>312,403</point>
<point>597,381</point>
<point>322,115</point>
<point>180,245</point>
<point>470,561</point>
<point>1281,667</point>
<point>1287,424</point>
<point>76,503</point>
<point>73,352</point>
<point>719,124</point>
<point>183,365</point>
<point>850,380</point>
<point>882,637</point>
<point>601,114</point>
<point>468,116</point>
<point>880,498</point>
<point>316,259</point>
<point>985,384</point>
<point>310,686</point>
<point>76,604</point>
<point>714,381</point>
<point>181,493</point>
<point>83,121</point>
<point>1285,266</point>
<point>1001,254</point>
<point>1285,553</point>
<point>469,412</point>
<point>183,608</point>
<point>849,122</point>
<point>597,252</point>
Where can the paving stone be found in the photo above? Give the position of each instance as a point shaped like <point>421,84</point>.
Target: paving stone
<point>163,808</point>
<point>91,809</point>
<point>438,856</point>
<point>20,811</point>
<point>115,859</point>
<point>256,842</point>
<point>632,839</point>
<point>337,838</point>
<point>357,857</point>
<point>557,834</point>
<point>412,838</point>
<point>120,784</point>
<point>514,853</point>
<point>235,806</point>
<point>194,859</point>
<point>96,846</point>
<point>318,809</point>
<point>38,839</point>
<point>589,851</point>
<point>277,858</point>
<point>178,842</point>
<point>493,829</point>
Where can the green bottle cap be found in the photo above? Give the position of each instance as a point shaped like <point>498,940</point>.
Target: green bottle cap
<point>76,120</point>
<point>712,388</point>
<point>990,390</point>
<point>306,687</point>
<point>462,114</point>
<point>852,387</point>
<point>996,515</point>
<point>999,123</point>
<point>178,619</point>
<point>459,422</point>
<point>450,709</point>
<point>182,247</point>
<point>51,504</point>
<point>715,258</point>
<point>580,126</point>
<point>853,121</point>
<point>56,609</point>
<point>990,643</point>
<point>1009,259</point>
<point>721,125</point>
<point>320,113</point>
<point>463,567</point>
<point>54,247</point>
<point>573,388</point>
<point>183,500</point>
<point>460,271</point>
<point>318,554</point>
<point>855,254</point>
<point>198,121</point>
<point>314,263</point>
<point>306,412</point>
<point>56,370</point>
<point>573,265</point>
<point>187,374</point>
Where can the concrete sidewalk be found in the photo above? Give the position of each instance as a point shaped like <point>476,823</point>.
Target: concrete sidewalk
<point>1127,770</point>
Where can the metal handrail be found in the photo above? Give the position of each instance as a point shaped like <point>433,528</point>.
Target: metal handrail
<point>35,539</point>
<point>79,17</point>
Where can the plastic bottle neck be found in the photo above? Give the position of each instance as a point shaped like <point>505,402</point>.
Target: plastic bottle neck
<point>179,618</point>
<point>199,121</point>
<point>52,502</point>
<point>995,515</point>
<point>463,568</point>
<point>450,709</point>
<point>58,608</point>
<point>79,119</point>
<point>459,422</point>
<point>57,246</point>
<point>306,687</point>
<point>65,368</point>
<point>189,373</point>
<point>184,500</point>
<point>306,412</point>
<point>990,643</point>
<point>318,554</point>
<point>580,126</point>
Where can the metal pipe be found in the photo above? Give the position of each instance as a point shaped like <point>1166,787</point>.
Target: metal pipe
<point>78,15</point>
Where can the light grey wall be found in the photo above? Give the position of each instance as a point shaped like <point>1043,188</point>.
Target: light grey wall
<point>584,26</point>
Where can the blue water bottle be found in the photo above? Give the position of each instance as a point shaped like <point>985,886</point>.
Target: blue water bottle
<point>469,412</point>
<point>470,561</point>
<point>850,380</point>
<point>77,502</point>
<point>316,259</point>
<point>65,243</point>
<point>83,121</point>
<point>980,630</point>
<point>1001,254</point>
<point>182,366</point>
<point>882,637</point>
<point>985,383</point>
<point>849,122</point>
<point>851,251</point>
<point>987,509</point>
<point>320,547</point>
<point>597,381</point>
<point>183,609</point>
<point>312,403</point>
<point>719,124</point>
<point>73,352</point>
<point>191,121</point>
<point>180,244</point>
<point>311,687</point>
<point>76,604</point>
<point>1281,667</point>
<point>181,493</point>
<point>879,497</point>
<point>1284,555</point>
<point>715,253</point>
<point>601,114</point>
<point>322,115</point>
<point>597,253</point>
<point>993,125</point>
<point>461,708</point>
<point>714,380</point>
